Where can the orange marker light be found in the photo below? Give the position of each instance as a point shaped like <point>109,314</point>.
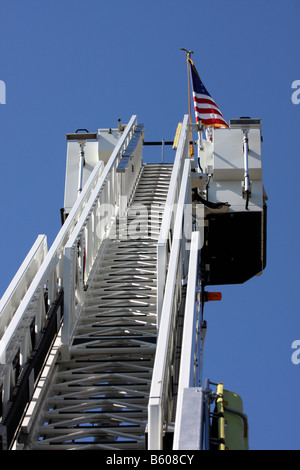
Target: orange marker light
<point>212,296</point>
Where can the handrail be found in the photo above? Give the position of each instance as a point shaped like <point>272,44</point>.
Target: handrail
<point>16,344</point>
<point>159,400</point>
<point>168,219</point>
<point>29,375</point>
<point>109,199</point>
<point>50,271</point>
<point>16,290</point>
<point>190,336</point>
<point>187,375</point>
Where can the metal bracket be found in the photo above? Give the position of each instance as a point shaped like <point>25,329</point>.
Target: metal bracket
<point>198,180</point>
<point>244,191</point>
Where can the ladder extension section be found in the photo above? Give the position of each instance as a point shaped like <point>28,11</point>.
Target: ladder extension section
<point>98,398</point>
<point>34,318</point>
<point>161,401</point>
<point>111,293</point>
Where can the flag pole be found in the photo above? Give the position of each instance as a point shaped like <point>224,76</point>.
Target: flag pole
<point>188,56</point>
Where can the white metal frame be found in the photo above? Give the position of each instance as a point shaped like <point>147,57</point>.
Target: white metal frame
<point>93,228</point>
<point>125,269</point>
<point>167,228</point>
<point>32,307</point>
<point>19,285</point>
<point>16,339</point>
<point>190,340</point>
<point>159,402</point>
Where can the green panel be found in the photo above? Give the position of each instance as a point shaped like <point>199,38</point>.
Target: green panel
<point>236,423</point>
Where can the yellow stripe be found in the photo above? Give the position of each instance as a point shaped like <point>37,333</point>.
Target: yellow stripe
<point>221,420</point>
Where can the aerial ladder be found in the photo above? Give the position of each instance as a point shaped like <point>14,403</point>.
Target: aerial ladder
<point>102,334</point>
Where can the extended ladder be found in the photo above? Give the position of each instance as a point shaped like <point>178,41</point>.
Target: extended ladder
<point>99,398</point>
<point>102,335</point>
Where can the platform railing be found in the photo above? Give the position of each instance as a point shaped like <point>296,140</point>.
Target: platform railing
<point>168,220</point>
<point>160,400</point>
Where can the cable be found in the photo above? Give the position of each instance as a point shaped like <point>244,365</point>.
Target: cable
<point>211,205</point>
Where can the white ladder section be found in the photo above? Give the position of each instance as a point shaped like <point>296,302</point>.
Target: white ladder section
<point>98,398</point>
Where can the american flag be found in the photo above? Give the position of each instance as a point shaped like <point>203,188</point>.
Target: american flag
<point>206,109</point>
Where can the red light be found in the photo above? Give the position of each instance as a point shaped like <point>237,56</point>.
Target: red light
<point>212,296</point>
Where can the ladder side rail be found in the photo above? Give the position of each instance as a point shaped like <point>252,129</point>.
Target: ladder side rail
<point>30,374</point>
<point>190,338</point>
<point>159,406</point>
<point>189,359</point>
<point>17,342</point>
<point>18,287</point>
<point>103,211</point>
<point>168,219</point>
<point>130,175</point>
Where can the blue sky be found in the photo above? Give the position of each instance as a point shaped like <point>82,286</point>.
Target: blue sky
<point>74,64</point>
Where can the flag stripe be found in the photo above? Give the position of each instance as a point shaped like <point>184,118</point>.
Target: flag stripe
<point>203,98</point>
<point>204,101</point>
<point>209,116</point>
<point>212,122</point>
<point>207,107</point>
<point>208,111</point>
